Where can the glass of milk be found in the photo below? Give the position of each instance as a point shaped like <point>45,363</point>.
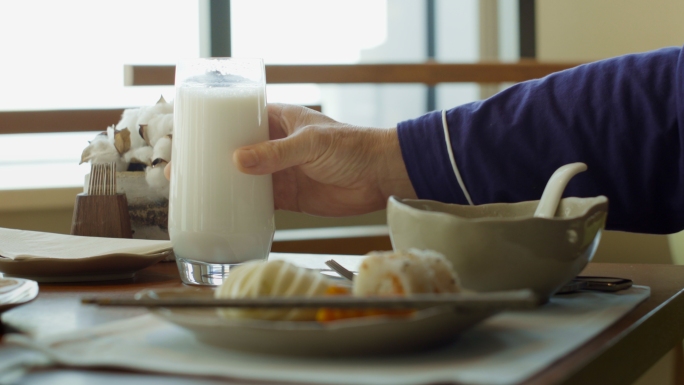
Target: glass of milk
<point>218,216</point>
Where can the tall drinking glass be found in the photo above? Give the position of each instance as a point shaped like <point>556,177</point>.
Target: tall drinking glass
<point>218,216</point>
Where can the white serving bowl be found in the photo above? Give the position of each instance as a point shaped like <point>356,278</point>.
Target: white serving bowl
<point>501,246</point>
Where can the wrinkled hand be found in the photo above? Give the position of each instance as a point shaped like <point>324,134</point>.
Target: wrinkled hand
<point>323,167</point>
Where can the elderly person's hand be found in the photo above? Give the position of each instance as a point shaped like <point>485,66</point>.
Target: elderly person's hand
<point>323,167</point>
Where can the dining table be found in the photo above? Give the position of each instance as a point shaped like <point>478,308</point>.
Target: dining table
<point>619,354</point>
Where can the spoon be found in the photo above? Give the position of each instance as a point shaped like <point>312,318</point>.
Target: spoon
<point>341,270</point>
<point>555,187</point>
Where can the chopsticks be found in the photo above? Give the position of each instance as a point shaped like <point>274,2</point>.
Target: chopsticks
<point>513,300</point>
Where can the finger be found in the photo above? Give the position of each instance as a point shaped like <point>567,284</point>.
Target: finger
<point>167,171</point>
<point>275,128</point>
<point>275,155</point>
<point>286,119</point>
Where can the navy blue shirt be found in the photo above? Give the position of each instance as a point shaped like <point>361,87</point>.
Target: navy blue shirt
<point>623,117</point>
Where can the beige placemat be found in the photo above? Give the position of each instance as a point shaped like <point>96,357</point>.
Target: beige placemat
<point>505,349</point>
<point>23,245</point>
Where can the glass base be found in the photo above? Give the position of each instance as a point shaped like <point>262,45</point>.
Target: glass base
<point>203,273</point>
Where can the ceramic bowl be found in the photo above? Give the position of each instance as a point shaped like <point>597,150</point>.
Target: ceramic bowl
<point>502,246</point>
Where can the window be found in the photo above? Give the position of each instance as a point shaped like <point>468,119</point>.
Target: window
<point>387,31</point>
<point>70,55</point>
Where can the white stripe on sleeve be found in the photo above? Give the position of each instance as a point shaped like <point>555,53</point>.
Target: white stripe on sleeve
<point>447,139</point>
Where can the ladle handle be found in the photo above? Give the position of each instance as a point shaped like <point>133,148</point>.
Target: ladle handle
<point>555,187</point>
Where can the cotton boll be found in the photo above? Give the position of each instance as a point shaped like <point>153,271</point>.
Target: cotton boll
<point>162,149</point>
<point>122,140</point>
<point>155,179</point>
<point>158,119</point>
<point>161,155</point>
<point>137,141</point>
<point>129,120</point>
<point>139,155</point>
<point>101,150</point>
<point>110,133</point>
<point>133,140</point>
<point>101,136</point>
<point>161,108</point>
<point>98,147</point>
<point>158,127</point>
<point>156,122</point>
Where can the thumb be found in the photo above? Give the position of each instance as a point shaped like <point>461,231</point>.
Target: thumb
<point>275,155</point>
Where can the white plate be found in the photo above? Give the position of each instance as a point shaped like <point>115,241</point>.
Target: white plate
<point>16,291</point>
<point>362,336</point>
<point>99,268</point>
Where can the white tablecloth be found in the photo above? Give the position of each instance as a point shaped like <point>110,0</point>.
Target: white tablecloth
<point>505,349</point>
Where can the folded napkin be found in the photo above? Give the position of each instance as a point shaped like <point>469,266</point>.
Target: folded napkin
<point>505,349</point>
<point>20,245</point>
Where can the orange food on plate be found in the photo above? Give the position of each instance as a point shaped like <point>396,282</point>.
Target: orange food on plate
<point>331,314</point>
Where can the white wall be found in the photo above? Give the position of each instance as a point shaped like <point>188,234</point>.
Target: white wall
<point>591,30</point>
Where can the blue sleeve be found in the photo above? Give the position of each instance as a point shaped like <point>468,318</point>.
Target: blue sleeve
<point>623,117</point>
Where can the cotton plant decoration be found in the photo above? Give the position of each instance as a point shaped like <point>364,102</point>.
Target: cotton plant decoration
<point>140,141</point>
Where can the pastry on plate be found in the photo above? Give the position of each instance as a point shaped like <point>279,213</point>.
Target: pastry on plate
<point>399,273</point>
<point>276,279</point>
<point>404,273</point>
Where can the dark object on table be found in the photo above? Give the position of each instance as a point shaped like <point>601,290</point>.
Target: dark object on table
<point>101,212</point>
<point>610,284</point>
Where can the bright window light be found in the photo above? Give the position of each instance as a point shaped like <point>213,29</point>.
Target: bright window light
<point>70,54</point>
<point>307,31</point>
<point>29,161</point>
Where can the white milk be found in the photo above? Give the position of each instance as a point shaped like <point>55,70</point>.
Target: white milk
<point>218,214</point>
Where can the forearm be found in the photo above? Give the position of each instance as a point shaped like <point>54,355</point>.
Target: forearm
<point>620,116</point>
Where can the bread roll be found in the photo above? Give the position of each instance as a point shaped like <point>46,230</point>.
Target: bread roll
<point>405,273</point>
<point>276,279</point>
